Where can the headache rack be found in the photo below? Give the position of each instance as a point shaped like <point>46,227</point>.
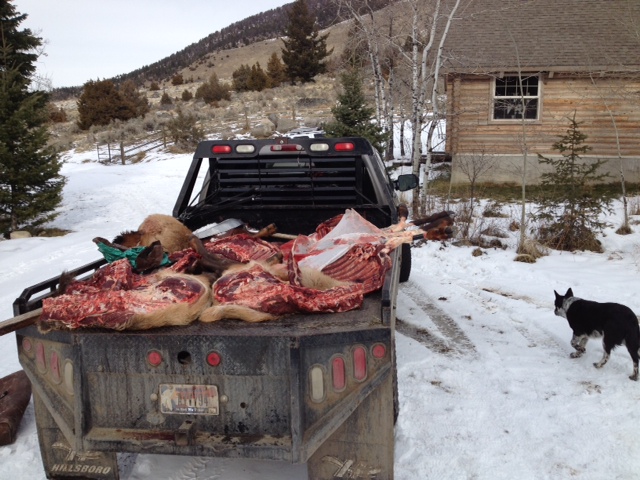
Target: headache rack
<point>301,180</point>
<point>275,180</point>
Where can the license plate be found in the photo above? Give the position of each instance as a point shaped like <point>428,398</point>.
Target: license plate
<point>189,399</point>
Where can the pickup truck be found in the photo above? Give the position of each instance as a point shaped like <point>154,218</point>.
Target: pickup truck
<point>318,389</point>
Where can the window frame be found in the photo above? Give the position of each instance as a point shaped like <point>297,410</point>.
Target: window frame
<point>495,97</point>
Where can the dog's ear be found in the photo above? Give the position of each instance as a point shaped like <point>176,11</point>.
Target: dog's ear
<point>569,293</point>
<point>557,294</point>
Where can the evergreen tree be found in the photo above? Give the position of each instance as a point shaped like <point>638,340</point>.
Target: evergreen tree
<point>352,116</point>
<point>30,181</point>
<point>184,131</point>
<point>101,103</point>
<point>258,80</point>
<point>213,91</point>
<point>275,71</point>
<point>133,99</point>
<point>570,211</point>
<point>240,78</point>
<point>304,49</point>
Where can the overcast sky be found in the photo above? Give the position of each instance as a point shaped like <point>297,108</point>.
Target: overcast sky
<point>99,39</point>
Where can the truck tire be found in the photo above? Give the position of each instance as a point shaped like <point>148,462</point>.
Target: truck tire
<point>405,265</point>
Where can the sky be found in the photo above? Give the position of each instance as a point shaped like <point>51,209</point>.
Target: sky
<point>487,389</point>
<point>98,39</point>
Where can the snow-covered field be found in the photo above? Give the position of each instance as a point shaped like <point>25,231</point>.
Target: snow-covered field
<point>488,393</point>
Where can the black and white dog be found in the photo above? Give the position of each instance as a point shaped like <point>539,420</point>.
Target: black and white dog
<point>615,323</point>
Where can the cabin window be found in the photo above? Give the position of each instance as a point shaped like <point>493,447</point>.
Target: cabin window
<point>512,100</point>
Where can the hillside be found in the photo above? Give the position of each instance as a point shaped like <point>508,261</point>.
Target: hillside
<point>226,43</point>
<point>258,114</point>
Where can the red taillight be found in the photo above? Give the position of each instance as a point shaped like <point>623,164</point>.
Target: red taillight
<point>379,351</point>
<point>338,374</point>
<point>213,359</point>
<point>41,361</point>
<point>359,363</point>
<point>217,149</point>
<point>154,358</point>
<point>344,147</point>
<point>54,365</point>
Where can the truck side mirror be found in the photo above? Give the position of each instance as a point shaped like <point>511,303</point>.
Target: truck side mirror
<point>406,182</point>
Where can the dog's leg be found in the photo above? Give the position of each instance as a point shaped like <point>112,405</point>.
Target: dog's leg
<point>605,356</point>
<point>579,342</point>
<point>635,355</point>
<point>603,360</point>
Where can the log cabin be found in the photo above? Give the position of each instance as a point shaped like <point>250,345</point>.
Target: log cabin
<point>517,70</point>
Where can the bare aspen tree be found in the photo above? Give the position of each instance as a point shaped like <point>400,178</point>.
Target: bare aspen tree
<point>366,25</point>
<point>425,66</point>
<point>525,152</point>
<point>625,228</point>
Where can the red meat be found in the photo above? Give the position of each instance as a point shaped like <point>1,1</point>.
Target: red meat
<point>117,298</point>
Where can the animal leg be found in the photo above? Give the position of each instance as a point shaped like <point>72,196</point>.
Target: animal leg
<point>633,351</point>
<point>579,342</point>
<point>605,355</point>
<point>603,360</point>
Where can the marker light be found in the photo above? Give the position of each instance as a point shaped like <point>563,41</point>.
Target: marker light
<point>54,365</point>
<point>68,377</point>
<point>316,382</point>
<point>154,358</point>
<point>214,359</point>
<point>338,374</point>
<point>41,361</point>
<point>286,148</point>
<point>319,147</point>
<point>344,147</point>
<point>221,149</point>
<point>379,350</point>
<point>359,363</point>
<point>245,149</point>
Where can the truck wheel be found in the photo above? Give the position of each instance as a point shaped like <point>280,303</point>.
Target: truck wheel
<point>405,265</point>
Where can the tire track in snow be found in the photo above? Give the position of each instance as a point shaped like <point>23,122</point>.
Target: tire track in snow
<point>447,338</point>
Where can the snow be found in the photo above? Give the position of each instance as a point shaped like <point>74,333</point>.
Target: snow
<point>490,393</point>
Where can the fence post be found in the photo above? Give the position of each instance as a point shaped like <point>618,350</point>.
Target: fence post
<point>122,149</point>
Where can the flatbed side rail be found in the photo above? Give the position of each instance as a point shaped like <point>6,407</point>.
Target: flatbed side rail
<point>31,297</point>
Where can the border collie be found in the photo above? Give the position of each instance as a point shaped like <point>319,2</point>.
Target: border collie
<point>615,323</point>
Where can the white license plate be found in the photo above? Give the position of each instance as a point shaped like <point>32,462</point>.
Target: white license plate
<point>189,399</point>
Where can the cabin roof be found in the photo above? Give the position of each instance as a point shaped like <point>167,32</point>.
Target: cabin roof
<point>545,35</point>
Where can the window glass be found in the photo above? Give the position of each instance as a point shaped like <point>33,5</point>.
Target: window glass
<point>513,100</point>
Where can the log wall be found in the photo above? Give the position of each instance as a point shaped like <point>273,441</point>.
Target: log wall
<point>597,103</point>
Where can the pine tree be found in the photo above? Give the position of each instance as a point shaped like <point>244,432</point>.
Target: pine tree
<point>570,211</point>
<point>352,116</point>
<point>30,181</point>
<point>213,91</point>
<point>275,71</point>
<point>240,78</point>
<point>304,49</point>
<point>258,80</point>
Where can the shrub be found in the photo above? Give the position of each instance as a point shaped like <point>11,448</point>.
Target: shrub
<point>571,209</point>
<point>177,80</point>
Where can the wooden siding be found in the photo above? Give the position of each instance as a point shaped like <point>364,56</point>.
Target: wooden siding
<point>470,130</point>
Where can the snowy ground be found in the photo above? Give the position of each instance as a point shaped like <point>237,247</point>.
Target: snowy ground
<point>488,393</point>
